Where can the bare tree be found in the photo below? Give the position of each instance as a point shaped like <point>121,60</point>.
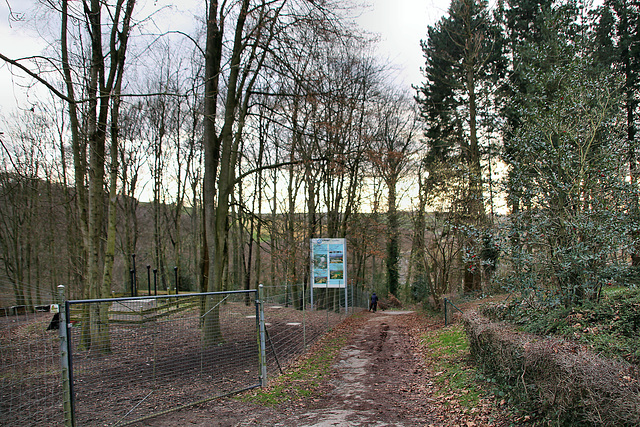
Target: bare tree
<point>101,86</point>
<point>22,156</point>
<point>253,29</point>
<point>394,143</point>
<point>132,160</point>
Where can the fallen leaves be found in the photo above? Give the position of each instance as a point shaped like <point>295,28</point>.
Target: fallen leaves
<point>453,387</point>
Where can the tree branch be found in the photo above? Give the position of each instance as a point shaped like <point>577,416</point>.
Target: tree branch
<point>38,78</point>
<point>69,100</point>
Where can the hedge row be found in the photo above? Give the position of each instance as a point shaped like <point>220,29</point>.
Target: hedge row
<point>557,381</point>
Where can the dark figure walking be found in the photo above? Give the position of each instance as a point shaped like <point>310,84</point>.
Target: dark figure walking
<point>374,303</point>
<point>55,322</point>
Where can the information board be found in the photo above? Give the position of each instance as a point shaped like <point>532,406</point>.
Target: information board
<point>329,263</point>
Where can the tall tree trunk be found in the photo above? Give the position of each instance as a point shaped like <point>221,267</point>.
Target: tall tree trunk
<point>292,252</point>
<point>312,222</point>
<point>98,97</point>
<point>258,195</point>
<point>273,231</point>
<point>80,167</point>
<point>417,274</point>
<point>100,91</point>
<point>107,276</point>
<point>477,215</point>
<point>633,163</point>
<point>218,215</point>
<point>213,56</point>
<point>117,71</point>
<point>393,245</point>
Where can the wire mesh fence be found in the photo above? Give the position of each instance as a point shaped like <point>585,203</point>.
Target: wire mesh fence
<point>293,323</point>
<point>141,357</point>
<point>18,296</point>
<point>159,354</point>
<point>30,377</point>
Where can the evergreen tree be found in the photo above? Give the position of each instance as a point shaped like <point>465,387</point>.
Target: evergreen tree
<point>566,158</point>
<point>463,64</point>
<point>617,48</point>
<point>523,22</point>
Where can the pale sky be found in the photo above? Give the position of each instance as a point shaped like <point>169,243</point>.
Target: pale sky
<point>15,42</point>
<point>401,24</point>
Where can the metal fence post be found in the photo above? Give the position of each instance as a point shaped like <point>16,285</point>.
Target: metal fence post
<point>63,333</point>
<point>445,312</point>
<point>304,318</point>
<point>263,344</point>
<point>134,284</point>
<point>448,302</point>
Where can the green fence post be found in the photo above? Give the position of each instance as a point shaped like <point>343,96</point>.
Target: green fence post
<point>445,312</point>
<point>63,333</point>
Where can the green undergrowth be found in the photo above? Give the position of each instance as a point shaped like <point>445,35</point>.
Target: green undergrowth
<point>609,327</point>
<point>448,356</point>
<point>302,379</point>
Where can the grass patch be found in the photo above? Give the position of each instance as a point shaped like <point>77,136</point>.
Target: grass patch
<point>447,352</point>
<point>303,379</point>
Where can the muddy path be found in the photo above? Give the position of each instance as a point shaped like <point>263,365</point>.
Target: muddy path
<point>375,380</point>
<point>378,379</point>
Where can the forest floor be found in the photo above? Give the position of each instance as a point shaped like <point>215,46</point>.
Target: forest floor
<point>375,369</point>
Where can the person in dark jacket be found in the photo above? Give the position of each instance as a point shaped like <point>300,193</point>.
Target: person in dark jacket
<point>374,303</point>
<point>55,322</point>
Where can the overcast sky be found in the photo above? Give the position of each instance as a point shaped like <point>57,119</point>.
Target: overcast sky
<point>401,24</point>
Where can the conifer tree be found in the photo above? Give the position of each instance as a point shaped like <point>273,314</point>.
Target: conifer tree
<point>463,63</point>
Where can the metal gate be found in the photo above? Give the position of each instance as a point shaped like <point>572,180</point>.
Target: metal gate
<point>128,359</point>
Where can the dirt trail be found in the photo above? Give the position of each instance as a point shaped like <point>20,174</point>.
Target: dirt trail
<point>375,382</point>
<point>378,379</point>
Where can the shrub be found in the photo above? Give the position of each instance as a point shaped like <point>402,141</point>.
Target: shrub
<point>609,327</point>
<point>561,382</point>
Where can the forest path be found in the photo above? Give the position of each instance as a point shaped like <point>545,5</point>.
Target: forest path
<point>376,380</point>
